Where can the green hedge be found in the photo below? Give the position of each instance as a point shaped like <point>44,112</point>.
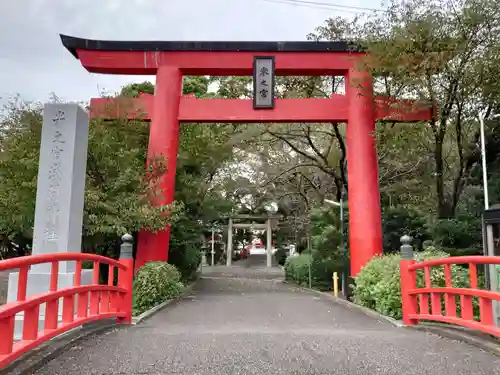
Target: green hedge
<point>378,284</point>
<point>297,271</point>
<point>155,283</point>
<point>186,259</point>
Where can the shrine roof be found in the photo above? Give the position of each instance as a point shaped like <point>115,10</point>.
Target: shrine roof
<point>72,44</point>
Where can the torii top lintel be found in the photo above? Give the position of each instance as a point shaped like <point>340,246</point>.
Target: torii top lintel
<point>306,58</point>
<point>232,58</point>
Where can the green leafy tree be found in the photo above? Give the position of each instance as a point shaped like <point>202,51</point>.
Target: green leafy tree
<point>117,189</point>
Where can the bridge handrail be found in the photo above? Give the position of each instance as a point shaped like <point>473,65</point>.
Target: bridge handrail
<point>469,259</point>
<point>427,303</point>
<point>30,260</point>
<point>80,303</point>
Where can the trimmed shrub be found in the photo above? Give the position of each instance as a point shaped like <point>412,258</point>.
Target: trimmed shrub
<point>155,283</point>
<point>379,270</point>
<point>186,259</point>
<point>297,269</point>
<point>322,268</point>
<point>378,284</point>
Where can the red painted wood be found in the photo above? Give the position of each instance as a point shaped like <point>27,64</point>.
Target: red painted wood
<point>52,306</point>
<point>94,303</point>
<point>449,298</point>
<point>23,346</point>
<point>447,276</point>
<point>163,142</point>
<point>107,297</point>
<point>51,314</point>
<point>467,307</point>
<point>334,109</point>
<point>409,302</point>
<point>427,275</point>
<point>22,283</point>
<point>83,305</point>
<point>485,311</point>
<point>198,63</point>
<point>473,275</point>
<point>474,259</point>
<point>365,225</point>
<point>94,295</point>
<point>112,302</point>
<point>104,302</point>
<point>459,291</point>
<point>54,276</point>
<point>241,110</point>
<point>49,258</point>
<point>125,280</point>
<point>111,275</point>
<point>16,307</point>
<point>424,303</point>
<point>95,273</point>
<point>78,273</point>
<point>68,309</point>
<point>32,337</point>
<point>30,322</point>
<point>466,295</point>
<point>7,337</point>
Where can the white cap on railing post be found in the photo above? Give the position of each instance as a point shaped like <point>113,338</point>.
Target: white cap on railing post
<point>406,249</point>
<point>127,247</point>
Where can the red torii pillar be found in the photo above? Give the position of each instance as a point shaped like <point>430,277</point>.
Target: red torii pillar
<point>169,61</point>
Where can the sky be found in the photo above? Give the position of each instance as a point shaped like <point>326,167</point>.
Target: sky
<point>35,65</point>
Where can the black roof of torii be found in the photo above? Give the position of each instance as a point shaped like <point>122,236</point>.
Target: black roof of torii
<point>73,43</point>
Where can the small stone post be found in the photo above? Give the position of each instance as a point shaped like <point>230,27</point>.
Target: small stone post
<point>408,281</point>
<point>229,256</point>
<point>126,276</point>
<point>127,247</point>
<point>406,249</point>
<point>269,244</point>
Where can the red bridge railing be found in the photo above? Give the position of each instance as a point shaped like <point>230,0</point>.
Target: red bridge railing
<point>426,303</point>
<point>80,303</point>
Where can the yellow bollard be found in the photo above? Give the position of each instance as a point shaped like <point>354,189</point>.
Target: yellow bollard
<point>335,284</point>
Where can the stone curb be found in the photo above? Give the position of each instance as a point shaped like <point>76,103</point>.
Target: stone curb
<point>35,359</point>
<point>479,340</point>
<point>149,313</point>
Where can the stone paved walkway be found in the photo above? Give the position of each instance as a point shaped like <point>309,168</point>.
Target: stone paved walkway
<point>236,322</point>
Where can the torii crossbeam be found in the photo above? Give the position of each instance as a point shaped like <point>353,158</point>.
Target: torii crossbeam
<point>169,61</point>
<point>191,109</point>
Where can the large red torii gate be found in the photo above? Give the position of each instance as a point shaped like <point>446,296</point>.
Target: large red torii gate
<point>169,61</point>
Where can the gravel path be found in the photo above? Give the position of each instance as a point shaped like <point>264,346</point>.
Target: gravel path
<point>235,323</point>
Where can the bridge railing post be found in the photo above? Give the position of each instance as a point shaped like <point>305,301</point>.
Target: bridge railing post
<point>408,281</point>
<point>126,276</point>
